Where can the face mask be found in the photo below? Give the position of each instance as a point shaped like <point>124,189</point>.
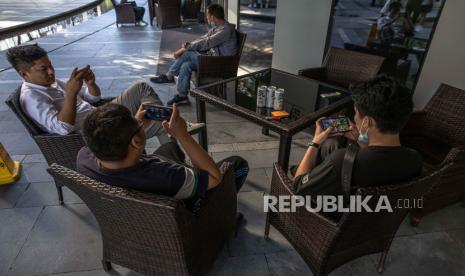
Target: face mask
<point>363,138</point>
<point>212,24</point>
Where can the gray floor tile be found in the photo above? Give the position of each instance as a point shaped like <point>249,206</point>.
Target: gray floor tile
<point>37,172</point>
<point>65,238</point>
<point>250,240</point>
<point>458,236</point>
<point>16,225</point>
<point>257,180</point>
<point>10,194</point>
<point>425,254</point>
<point>448,218</point>
<point>245,266</point>
<point>45,193</point>
<point>287,263</point>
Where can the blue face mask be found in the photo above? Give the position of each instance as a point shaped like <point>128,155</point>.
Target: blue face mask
<point>212,24</point>
<point>363,138</point>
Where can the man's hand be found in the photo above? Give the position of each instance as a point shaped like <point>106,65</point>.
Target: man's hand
<point>140,116</point>
<point>185,45</point>
<point>177,126</point>
<point>74,84</point>
<point>352,134</point>
<point>179,53</point>
<point>89,76</point>
<point>320,134</point>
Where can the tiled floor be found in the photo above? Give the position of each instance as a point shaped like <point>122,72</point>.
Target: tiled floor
<point>40,237</point>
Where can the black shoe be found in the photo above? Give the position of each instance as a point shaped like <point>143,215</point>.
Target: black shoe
<point>161,79</point>
<point>178,100</point>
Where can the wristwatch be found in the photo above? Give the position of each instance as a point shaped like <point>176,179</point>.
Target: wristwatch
<point>313,144</point>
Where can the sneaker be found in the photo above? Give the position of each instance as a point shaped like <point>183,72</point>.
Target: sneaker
<point>193,128</point>
<point>161,79</point>
<point>178,100</point>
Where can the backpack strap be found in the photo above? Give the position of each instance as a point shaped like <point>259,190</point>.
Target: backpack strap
<point>347,167</point>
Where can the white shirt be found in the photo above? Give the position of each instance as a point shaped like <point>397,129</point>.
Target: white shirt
<point>42,105</point>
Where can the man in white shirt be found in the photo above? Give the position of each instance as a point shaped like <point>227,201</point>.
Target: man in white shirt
<point>60,107</point>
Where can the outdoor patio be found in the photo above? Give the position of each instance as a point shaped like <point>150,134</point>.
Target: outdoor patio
<point>40,237</point>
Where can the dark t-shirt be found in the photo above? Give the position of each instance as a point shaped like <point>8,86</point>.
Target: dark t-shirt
<point>373,166</point>
<point>154,174</point>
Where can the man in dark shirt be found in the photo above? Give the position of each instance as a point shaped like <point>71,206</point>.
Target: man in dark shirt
<point>382,108</point>
<point>221,40</point>
<point>115,155</point>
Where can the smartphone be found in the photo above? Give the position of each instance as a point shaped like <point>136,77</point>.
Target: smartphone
<point>157,112</point>
<point>340,124</point>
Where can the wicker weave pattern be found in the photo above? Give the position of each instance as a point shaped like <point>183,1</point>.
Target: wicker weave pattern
<point>124,13</point>
<point>154,234</point>
<point>343,67</point>
<point>325,244</point>
<point>168,13</point>
<point>438,133</point>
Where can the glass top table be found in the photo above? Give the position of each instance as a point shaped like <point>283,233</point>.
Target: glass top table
<point>304,99</point>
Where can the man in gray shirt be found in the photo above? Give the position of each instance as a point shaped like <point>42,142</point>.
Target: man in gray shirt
<point>221,40</point>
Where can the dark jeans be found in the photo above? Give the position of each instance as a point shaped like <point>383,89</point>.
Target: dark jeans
<point>172,151</point>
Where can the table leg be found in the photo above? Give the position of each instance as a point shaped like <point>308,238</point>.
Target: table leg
<point>265,131</point>
<point>285,142</point>
<point>202,118</point>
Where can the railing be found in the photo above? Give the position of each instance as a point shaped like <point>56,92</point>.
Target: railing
<point>47,21</point>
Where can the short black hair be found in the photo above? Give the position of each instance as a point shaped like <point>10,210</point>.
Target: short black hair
<point>385,100</point>
<point>108,131</point>
<point>216,10</point>
<point>395,5</point>
<point>24,55</point>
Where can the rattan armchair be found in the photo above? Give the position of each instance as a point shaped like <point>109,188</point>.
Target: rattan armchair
<point>216,68</point>
<point>167,13</point>
<point>343,67</point>
<point>326,244</point>
<point>61,149</point>
<point>125,13</point>
<point>191,9</point>
<point>438,134</point>
<point>152,234</point>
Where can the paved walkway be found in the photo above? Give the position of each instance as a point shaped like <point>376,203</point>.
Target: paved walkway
<point>17,12</point>
<point>40,237</point>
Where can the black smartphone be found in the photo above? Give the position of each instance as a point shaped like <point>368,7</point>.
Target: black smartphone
<point>340,124</point>
<point>157,112</point>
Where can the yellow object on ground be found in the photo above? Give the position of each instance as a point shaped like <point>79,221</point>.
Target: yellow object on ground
<point>9,169</point>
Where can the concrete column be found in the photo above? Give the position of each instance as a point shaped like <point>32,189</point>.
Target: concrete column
<point>445,61</point>
<point>300,33</point>
<point>233,12</point>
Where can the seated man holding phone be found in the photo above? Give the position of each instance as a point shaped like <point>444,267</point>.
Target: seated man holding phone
<point>121,160</point>
<point>382,108</point>
<point>60,107</point>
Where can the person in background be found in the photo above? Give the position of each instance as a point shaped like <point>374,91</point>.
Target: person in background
<point>221,40</point>
<point>394,27</point>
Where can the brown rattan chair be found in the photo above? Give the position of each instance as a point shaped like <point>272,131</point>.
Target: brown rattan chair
<point>216,68</point>
<point>61,149</point>
<point>167,13</point>
<point>125,13</point>
<point>326,244</point>
<point>343,67</point>
<point>438,134</point>
<point>191,9</point>
<point>156,235</point>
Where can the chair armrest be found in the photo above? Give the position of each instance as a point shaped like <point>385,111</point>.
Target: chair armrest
<point>455,155</point>
<point>124,7</point>
<point>318,73</point>
<point>282,185</point>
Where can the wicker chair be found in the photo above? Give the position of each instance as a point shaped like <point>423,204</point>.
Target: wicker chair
<point>325,244</point>
<point>191,9</point>
<point>167,13</point>
<point>438,134</point>
<point>152,234</point>
<point>216,68</point>
<point>342,68</point>
<point>61,149</point>
<point>125,13</point>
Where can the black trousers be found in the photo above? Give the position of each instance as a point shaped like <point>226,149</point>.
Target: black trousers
<point>172,151</point>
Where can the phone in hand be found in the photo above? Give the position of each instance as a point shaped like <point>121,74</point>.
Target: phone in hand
<point>157,112</point>
<point>339,125</point>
